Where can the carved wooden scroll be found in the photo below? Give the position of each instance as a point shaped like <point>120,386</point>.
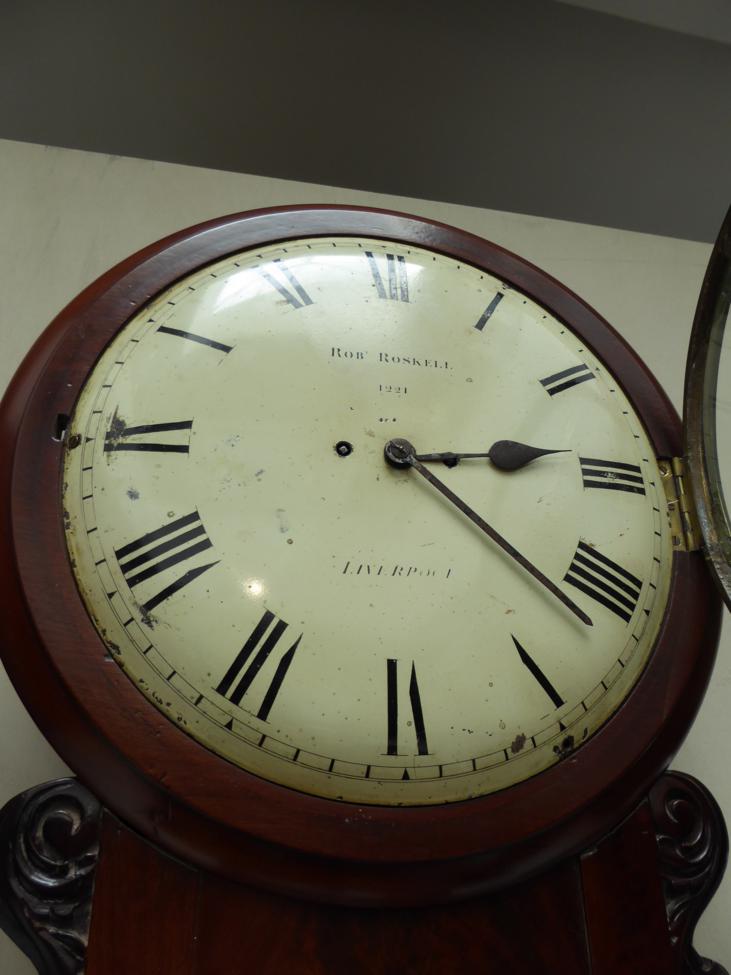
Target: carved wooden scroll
<point>49,838</point>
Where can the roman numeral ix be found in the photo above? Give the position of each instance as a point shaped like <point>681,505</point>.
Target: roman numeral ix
<point>392,710</point>
<point>146,437</point>
<point>398,282</point>
<point>611,475</point>
<point>291,290</point>
<point>158,550</point>
<point>244,669</point>
<point>605,581</point>
<point>565,379</point>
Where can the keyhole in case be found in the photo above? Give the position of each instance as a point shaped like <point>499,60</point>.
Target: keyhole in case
<point>60,427</point>
<point>343,448</point>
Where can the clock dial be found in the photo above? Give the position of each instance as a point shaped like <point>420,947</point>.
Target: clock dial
<point>317,616</point>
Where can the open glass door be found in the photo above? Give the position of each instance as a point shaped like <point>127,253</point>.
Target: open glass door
<point>707,407</point>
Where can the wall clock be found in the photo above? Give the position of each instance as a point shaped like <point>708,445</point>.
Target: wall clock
<point>348,562</point>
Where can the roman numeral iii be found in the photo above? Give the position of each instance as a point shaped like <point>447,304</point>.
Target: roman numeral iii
<point>283,280</point>
<point>398,282</point>
<point>393,710</point>
<point>146,437</point>
<point>611,475</point>
<point>162,549</point>
<point>259,646</point>
<point>605,581</point>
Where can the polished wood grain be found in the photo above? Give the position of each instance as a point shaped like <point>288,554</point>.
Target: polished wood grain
<point>615,910</point>
<point>627,906</point>
<point>537,927</point>
<point>154,916</point>
<point>224,820</point>
<point>627,925</point>
<point>145,909</point>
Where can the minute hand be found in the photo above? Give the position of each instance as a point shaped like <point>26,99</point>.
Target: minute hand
<point>401,453</point>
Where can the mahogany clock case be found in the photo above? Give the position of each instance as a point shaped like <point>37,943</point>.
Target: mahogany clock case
<point>205,810</point>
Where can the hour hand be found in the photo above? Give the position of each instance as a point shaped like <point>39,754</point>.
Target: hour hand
<point>507,455</point>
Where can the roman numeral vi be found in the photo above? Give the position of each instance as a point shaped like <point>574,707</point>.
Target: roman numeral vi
<point>392,709</point>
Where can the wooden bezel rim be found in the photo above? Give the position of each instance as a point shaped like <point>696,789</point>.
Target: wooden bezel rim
<point>204,809</point>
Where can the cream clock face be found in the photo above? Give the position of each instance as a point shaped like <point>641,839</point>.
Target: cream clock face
<point>317,616</point>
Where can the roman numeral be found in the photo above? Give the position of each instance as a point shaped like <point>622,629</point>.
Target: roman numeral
<point>565,379</point>
<point>392,709</point>
<point>398,282</point>
<point>611,475</point>
<point>243,670</point>
<point>192,337</point>
<point>158,550</point>
<point>297,297</point>
<point>536,671</point>
<point>605,581</point>
<point>488,312</point>
<point>145,437</point>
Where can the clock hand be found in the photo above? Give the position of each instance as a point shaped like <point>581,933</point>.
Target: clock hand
<point>507,455</point>
<point>401,453</point>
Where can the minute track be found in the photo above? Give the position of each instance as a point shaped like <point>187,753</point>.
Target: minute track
<point>259,473</point>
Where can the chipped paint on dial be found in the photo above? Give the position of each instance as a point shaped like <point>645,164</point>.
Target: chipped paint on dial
<point>316,616</point>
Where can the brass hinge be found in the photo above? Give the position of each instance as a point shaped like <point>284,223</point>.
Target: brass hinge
<point>684,526</point>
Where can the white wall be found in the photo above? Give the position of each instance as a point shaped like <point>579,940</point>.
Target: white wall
<point>66,216</point>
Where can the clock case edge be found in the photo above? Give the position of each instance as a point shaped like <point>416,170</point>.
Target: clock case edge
<point>699,429</point>
<point>241,826</point>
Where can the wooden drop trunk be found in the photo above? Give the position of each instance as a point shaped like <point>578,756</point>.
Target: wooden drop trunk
<point>609,911</point>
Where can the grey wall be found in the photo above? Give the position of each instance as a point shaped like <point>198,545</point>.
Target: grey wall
<point>522,105</point>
